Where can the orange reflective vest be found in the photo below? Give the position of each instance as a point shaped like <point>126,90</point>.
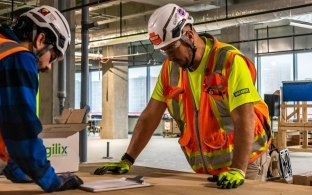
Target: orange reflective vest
<point>207,134</point>
<point>7,47</point>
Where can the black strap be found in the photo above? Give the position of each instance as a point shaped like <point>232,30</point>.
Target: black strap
<point>128,157</point>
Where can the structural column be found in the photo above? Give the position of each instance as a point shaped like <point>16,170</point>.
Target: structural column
<point>238,34</point>
<point>48,87</point>
<point>115,95</point>
<point>48,84</point>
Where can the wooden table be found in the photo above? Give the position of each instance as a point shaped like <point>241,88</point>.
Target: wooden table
<point>164,182</point>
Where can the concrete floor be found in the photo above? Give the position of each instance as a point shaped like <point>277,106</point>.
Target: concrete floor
<point>166,153</point>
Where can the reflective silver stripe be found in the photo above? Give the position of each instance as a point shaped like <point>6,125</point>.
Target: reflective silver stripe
<point>7,46</point>
<point>176,114</point>
<point>225,117</point>
<point>222,54</point>
<point>174,81</point>
<point>260,142</point>
<point>195,160</point>
<point>174,75</point>
<point>218,161</point>
<point>228,124</point>
<point>213,162</point>
<point>224,112</point>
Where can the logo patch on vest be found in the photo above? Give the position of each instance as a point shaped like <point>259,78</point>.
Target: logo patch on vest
<point>242,91</point>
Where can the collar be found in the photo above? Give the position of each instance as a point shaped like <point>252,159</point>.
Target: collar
<point>8,33</point>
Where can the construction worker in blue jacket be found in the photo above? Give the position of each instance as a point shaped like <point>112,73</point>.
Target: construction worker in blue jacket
<point>37,39</point>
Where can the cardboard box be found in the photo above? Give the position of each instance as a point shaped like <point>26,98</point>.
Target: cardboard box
<point>62,140</point>
<point>175,128</point>
<point>303,179</point>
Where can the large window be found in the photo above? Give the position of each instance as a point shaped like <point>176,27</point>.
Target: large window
<point>137,90</point>
<point>304,66</point>
<point>305,70</point>
<point>77,89</point>
<point>95,91</point>
<point>138,94</point>
<point>274,70</point>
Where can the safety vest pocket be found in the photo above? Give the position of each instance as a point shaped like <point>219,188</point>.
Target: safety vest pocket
<point>185,138</point>
<point>215,85</point>
<point>216,140</point>
<point>212,134</point>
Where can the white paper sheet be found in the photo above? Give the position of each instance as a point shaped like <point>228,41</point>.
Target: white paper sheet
<point>112,184</point>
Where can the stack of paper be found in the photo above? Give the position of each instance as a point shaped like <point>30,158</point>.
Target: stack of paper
<point>113,184</point>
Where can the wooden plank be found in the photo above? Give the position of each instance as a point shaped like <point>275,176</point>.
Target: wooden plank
<point>163,182</point>
<point>281,139</point>
<point>305,140</point>
<point>298,128</point>
<point>299,149</point>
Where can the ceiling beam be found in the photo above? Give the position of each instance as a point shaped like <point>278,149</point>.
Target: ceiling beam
<point>102,22</point>
<point>178,2</point>
<point>102,6</point>
<point>17,7</point>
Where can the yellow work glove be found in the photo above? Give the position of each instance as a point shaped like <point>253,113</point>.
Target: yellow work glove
<point>231,178</point>
<point>120,167</point>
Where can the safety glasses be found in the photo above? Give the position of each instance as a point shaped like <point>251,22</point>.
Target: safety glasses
<point>55,54</point>
<point>171,48</point>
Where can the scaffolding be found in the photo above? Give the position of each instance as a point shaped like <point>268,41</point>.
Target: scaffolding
<point>294,116</point>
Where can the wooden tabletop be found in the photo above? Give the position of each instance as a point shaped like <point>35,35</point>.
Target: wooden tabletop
<point>163,182</point>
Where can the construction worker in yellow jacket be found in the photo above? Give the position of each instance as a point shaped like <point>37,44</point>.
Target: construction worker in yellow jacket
<point>208,88</point>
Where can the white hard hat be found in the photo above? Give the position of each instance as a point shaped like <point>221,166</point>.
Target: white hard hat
<point>166,23</point>
<point>51,18</point>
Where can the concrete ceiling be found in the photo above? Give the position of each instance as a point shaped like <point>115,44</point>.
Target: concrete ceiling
<point>134,15</point>
<point>19,6</point>
<point>126,20</point>
<point>208,14</point>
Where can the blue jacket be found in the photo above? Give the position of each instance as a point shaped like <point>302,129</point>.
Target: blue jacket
<point>19,123</point>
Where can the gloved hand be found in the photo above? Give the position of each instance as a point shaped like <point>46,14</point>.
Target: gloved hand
<point>69,181</point>
<point>115,167</point>
<point>214,178</point>
<point>231,178</point>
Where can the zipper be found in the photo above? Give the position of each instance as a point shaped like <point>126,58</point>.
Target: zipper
<point>196,127</point>
<point>196,112</point>
<point>199,143</point>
